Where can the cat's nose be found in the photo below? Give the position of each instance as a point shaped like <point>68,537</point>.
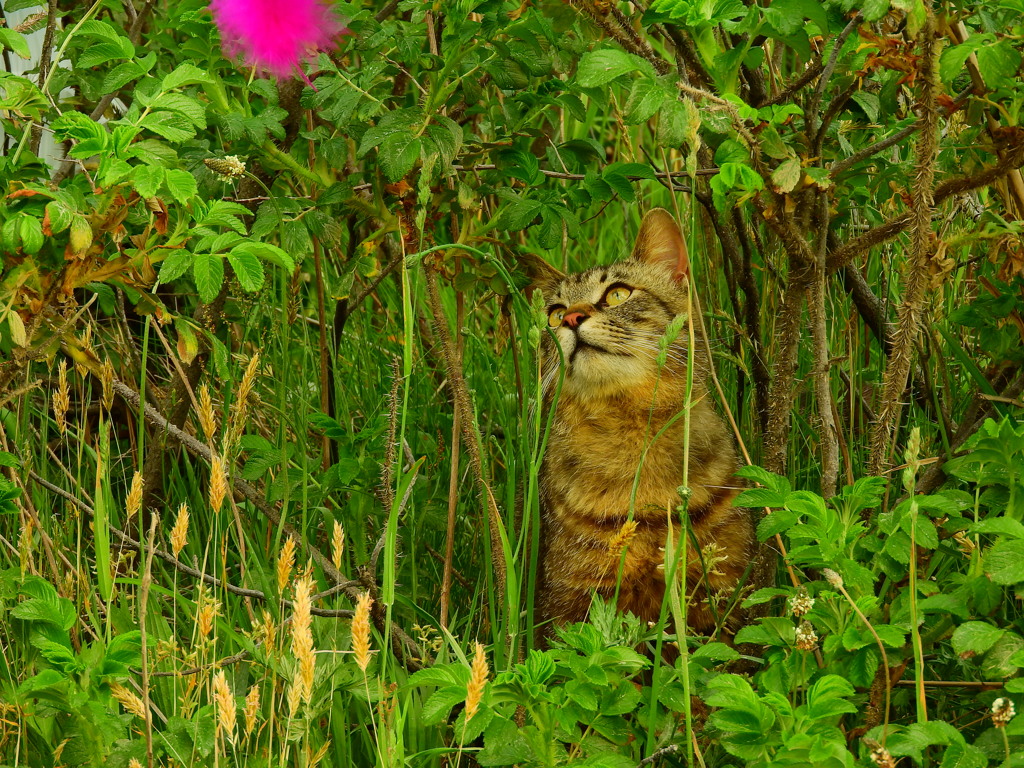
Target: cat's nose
<point>573,319</point>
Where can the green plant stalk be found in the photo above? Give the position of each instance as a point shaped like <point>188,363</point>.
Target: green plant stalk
<point>292,165</point>
<point>915,630</point>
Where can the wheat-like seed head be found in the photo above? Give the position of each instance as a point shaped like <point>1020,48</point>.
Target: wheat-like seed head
<point>621,539</point>
<point>133,502</point>
<point>285,563</point>
<point>209,609</point>
<point>179,533</point>
<point>25,547</point>
<point>477,681</point>
<point>134,763</point>
<point>218,483</point>
<point>129,700</point>
<point>337,545</point>
<point>252,708</point>
<point>107,380</point>
<point>240,410</point>
<point>207,418</point>
<point>62,397</point>
<point>302,637</point>
<point>226,707</point>
<point>361,631</point>
<point>269,631</point>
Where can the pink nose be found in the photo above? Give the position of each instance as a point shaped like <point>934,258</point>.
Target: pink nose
<point>573,319</point>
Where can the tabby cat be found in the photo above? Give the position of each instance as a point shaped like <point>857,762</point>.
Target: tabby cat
<point>612,402</point>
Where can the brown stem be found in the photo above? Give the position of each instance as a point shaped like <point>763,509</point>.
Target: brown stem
<point>783,389</point>
<point>819,339</point>
<point>916,277</point>
<point>464,405</point>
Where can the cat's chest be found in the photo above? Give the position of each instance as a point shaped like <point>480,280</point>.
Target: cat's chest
<point>601,465</point>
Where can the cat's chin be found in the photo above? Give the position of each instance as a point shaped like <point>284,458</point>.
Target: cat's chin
<point>594,373</point>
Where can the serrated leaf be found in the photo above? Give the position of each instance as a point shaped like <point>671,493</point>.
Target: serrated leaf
<point>785,16</point>
<point>15,41</point>
<point>208,272</point>
<point>975,637</point>
<point>398,153</point>
<point>873,10</point>
<point>182,184</point>
<point>100,53</point>
<point>869,102</point>
<point>645,98</point>
<point>147,179</point>
<point>999,63</point>
<point>788,175</point>
<point>268,252</point>
<point>172,126</point>
<point>1004,563</point>
<point>602,66</point>
<point>248,269</point>
<point>121,75</point>
<point>184,74</point>
<point>191,108</point>
<point>1000,526</point>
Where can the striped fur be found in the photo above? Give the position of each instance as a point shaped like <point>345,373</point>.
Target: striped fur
<point>612,401</point>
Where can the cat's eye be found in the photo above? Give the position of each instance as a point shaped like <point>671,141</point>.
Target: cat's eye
<point>617,295</point>
<point>555,318</point>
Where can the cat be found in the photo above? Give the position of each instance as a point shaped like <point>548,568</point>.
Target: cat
<point>613,398</point>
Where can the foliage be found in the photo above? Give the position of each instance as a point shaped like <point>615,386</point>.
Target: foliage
<point>296,311</point>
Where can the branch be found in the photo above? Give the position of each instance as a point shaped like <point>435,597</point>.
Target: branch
<point>949,188</point>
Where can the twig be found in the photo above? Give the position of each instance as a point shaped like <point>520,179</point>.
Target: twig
<point>671,749</point>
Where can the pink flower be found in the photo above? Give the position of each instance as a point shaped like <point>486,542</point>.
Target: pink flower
<point>276,35</point>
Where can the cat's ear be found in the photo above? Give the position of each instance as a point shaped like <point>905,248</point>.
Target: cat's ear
<point>541,273</point>
<point>660,242</point>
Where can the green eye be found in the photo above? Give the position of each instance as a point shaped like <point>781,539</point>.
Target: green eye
<point>618,295</point>
<point>555,318</point>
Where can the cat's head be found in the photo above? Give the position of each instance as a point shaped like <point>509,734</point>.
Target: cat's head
<point>608,320</point>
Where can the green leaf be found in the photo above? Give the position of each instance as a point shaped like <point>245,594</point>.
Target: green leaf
<point>248,269</point>
<point>182,184</point>
<point>869,102</point>
<point>208,271</point>
<point>963,756</point>
<point>644,100</point>
<point>602,66</point>
<point>147,179</point>
<point>184,74</point>
<point>1000,526</point>
<point>100,53</point>
<point>953,59</point>
<point>786,16</point>
<point>999,63</point>
<point>873,10</point>
<point>975,637</point>
<point>267,252</point>
<point>172,126</point>
<point>31,231</point>
<point>15,41</point>
<point>398,153</point>
<point>121,75</point>
<point>1004,563</point>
